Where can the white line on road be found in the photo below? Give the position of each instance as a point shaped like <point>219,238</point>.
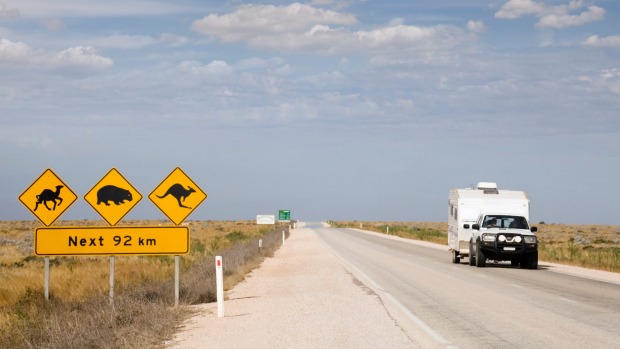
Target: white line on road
<point>386,295</point>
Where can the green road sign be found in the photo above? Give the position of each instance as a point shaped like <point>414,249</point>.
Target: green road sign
<point>284,216</point>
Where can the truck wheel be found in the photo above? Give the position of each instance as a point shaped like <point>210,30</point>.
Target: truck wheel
<point>533,260</point>
<point>471,255</point>
<point>480,258</point>
<point>455,257</point>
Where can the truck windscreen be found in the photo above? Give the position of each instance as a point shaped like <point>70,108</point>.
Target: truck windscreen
<point>505,221</point>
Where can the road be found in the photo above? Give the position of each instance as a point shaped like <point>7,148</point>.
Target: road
<point>459,306</point>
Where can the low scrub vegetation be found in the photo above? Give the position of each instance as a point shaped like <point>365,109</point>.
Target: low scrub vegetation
<point>79,314</point>
<point>589,246</point>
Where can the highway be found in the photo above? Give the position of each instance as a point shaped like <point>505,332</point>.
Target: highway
<point>460,306</point>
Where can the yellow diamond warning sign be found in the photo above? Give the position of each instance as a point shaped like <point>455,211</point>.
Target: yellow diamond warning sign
<point>113,197</point>
<point>48,197</point>
<point>177,196</point>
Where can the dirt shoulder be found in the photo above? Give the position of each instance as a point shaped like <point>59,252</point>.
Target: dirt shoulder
<point>301,298</point>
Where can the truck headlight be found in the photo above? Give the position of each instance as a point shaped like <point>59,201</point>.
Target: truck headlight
<point>501,238</point>
<point>488,237</point>
<point>529,239</point>
<point>517,239</point>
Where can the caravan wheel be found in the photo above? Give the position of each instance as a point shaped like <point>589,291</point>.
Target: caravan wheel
<point>455,257</point>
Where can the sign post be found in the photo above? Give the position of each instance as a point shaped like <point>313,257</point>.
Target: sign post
<point>47,191</point>
<point>177,196</point>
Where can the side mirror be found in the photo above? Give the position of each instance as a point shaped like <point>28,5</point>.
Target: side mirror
<point>466,226</point>
<point>533,229</point>
<point>476,226</point>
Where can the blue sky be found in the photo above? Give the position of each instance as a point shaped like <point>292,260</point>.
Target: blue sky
<point>368,110</point>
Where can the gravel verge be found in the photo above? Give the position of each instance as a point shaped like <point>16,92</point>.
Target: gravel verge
<point>303,297</point>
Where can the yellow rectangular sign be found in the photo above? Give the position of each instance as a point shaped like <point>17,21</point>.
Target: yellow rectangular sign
<point>90,241</point>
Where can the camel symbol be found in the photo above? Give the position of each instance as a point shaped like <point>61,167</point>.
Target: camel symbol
<point>49,195</point>
<point>179,193</point>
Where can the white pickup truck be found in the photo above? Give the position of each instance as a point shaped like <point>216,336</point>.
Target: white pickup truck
<point>490,224</point>
<point>503,237</point>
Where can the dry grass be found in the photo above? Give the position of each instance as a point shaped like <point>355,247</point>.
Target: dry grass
<point>589,246</point>
<point>78,314</point>
<point>426,231</point>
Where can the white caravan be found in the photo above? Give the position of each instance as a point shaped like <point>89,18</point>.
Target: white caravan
<point>488,223</point>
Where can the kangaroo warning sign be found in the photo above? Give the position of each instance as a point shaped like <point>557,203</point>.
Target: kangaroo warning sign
<point>177,196</point>
<point>113,197</point>
<point>48,197</point>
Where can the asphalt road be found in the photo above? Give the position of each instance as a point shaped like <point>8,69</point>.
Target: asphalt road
<point>459,306</point>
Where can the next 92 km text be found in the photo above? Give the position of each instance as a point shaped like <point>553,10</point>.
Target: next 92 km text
<point>72,241</point>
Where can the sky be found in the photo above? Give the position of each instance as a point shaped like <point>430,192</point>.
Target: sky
<point>333,109</point>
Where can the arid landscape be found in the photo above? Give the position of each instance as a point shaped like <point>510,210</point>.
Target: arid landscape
<point>79,313</point>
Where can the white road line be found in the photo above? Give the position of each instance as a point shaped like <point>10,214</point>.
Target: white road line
<point>386,295</point>
<point>567,300</point>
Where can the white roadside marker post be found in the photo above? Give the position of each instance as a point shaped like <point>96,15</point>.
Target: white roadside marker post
<point>219,284</point>
<point>260,244</point>
<point>282,237</point>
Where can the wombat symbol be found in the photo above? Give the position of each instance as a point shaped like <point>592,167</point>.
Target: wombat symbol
<point>111,193</point>
<point>179,193</point>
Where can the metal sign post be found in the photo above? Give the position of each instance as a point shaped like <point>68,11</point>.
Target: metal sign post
<point>111,280</point>
<point>176,281</point>
<point>47,278</point>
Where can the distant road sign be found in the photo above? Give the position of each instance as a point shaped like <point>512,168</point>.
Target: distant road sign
<point>89,241</point>
<point>177,196</point>
<point>265,219</point>
<point>48,197</point>
<point>113,197</point>
<point>284,215</point>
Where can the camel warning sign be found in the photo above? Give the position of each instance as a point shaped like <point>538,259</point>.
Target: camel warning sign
<point>48,197</point>
<point>113,197</point>
<point>177,196</point>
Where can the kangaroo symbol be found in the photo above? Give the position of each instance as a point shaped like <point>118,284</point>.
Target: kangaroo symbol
<point>179,193</point>
<point>49,195</point>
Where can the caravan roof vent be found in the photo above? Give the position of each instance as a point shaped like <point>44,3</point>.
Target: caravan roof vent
<point>488,187</point>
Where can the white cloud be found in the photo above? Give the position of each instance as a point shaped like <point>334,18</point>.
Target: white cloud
<point>215,69</point>
<point>593,14</point>
<point>81,57</point>
<point>251,20</point>
<point>303,27</point>
<point>15,51</point>
<point>476,26</point>
<point>84,57</point>
<point>516,8</point>
<point>607,41</point>
<point>8,13</point>
<point>558,16</point>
